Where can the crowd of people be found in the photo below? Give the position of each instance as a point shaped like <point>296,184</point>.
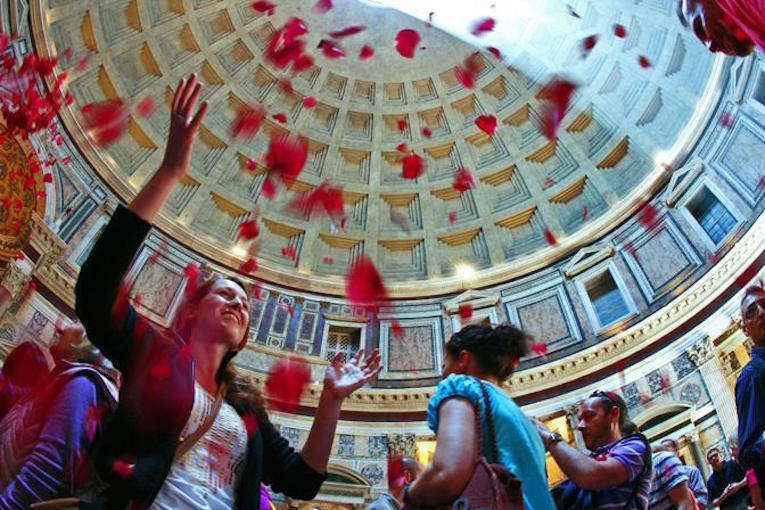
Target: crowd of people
<point>161,419</point>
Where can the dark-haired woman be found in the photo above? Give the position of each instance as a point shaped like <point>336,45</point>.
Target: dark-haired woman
<point>480,355</point>
<point>188,432</point>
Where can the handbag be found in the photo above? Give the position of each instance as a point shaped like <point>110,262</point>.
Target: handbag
<point>492,486</point>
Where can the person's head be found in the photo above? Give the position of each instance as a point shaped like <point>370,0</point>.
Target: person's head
<point>671,446</point>
<point>603,419</point>
<point>26,366</point>
<point>733,444</point>
<point>485,351</point>
<point>713,27</point>
<point>715,458</point>
<point>753,314</point>
<point>412,469</point>
<point>217,311</point>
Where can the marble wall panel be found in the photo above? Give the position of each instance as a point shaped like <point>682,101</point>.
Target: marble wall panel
<point>417,353</point>
<point>739,160</point>
<point>660,258</point>
<point>159,285</point>
<point>546,313</point>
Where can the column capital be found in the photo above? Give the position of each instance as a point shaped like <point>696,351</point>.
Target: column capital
<point>701,351</point>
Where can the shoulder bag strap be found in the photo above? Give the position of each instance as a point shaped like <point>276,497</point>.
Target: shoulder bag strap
<point>189,441</point>
<point>489,422</point>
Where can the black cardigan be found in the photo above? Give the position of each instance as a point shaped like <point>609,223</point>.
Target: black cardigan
<point>157,392</point>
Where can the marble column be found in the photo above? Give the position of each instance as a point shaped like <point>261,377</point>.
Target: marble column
<point>702,353</point>
<point>698,454</point>
<point>572,415</point>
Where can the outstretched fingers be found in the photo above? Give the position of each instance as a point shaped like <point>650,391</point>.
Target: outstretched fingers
<point>191,102</point>
<point>197,120</point>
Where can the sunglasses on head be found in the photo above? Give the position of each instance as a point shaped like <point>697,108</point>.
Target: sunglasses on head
<point>610,395</point>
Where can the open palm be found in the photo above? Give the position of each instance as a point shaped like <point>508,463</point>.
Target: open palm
<point>343,379</point>
<point>184,124</point>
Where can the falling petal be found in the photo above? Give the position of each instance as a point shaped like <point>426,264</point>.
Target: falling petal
<point>288,252</point>
<point>412,166</point>
<point>248,230</point>
<point>452,217</point>
<point>464,180</point>
<point>264,6</point>
<point>483,26</point>
<point>550,238</point>
<point>286,158</point>
<point>285,383</point>
<point>331,49</point>
<point>426,132</point>
<point>620,31</point>
<point>644,62</point>
<point>146,107</point>
<point>539,348</point>
<point>247,122</point>
<point>397,330</point>
<point>346,32</point>
<point>494,51</point>
<point>557,94</point>
<point>249,266</point>
<point>486,123</point>
<point>406,42</point>
<point>588,43</point>
<point>366,52</point>
<point>363,284</point>
<point>280,117</point>
<point>465,311</point>
<point>309,101</point>
<point>322,6</point>
<point>402,147</point>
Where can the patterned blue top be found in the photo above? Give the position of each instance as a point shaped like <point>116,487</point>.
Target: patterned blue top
<point>669,472</point>
<point>630,451</point>
<point>697,485</point>
<point>520,447</point>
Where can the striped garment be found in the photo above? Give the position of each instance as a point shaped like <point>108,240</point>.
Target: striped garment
<point>668,472</point>
<point>697,485</point>
<point>630,451</point>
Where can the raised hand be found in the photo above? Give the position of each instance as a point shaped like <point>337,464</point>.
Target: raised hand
<point>183,126</point>
<point>343,379</point>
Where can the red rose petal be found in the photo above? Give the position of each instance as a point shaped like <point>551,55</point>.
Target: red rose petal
<point>366,52</point>
<point>264,6</point>
<point>550,238</point>
<point>494,51</point>
<point>363,284</point>
<point>396,473</point>
<point>47,177</point>
<point>248,230</point>
<point>285,383</point>
<point>107,121</point>
<point>324,197</point>
<point>280,117</point>
<point>247,122</point>
<point>584,213</point>
<point>465,311</point>
<point>464,180</point>
<point>322,6</point>
<point>406,42</point>
<point>487,124</point>
<point>288,252</point>
<point>328,260</point>
<point>302,62</point>
<point>396,330</point>
<point>146,107</point>
<point>347,31</point>
<point>588,43</point>
<point>647,216</point>
<point>286,158</point>
<point>557,94</point>
<point>331,49</point>
<point>644,62</point>
<point>539,348</point>
<point>402,147</point>
<point>726,120</point>
<point>572,12</point>
<point>309,101</point>
<point>483,26</point>
<point>412,166</point>
<point>123,468</point>
<point>268,189</point>
<point>191,272</point>
<point>401,124</point>
<point>620,31</point>
<point>452,217</point>
<point>426,132</point>
<point>20,255</point>
<point>249,266</point>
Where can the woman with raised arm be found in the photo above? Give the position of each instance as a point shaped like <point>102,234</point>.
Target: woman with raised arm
<point>188,432</point>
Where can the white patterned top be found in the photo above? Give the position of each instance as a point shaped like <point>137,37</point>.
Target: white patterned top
<point>208,474</point>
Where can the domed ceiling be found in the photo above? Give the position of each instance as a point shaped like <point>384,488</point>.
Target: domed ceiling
<point>642,101</point>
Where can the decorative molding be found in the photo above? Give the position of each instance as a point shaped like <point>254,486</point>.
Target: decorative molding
<point>587,258</point>
<point>681,180</point>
